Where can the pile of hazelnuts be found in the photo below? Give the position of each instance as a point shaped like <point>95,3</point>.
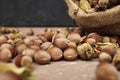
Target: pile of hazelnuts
<point>64,43</point>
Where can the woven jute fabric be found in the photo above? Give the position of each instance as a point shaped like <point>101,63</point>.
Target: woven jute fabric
<point>103,22</point>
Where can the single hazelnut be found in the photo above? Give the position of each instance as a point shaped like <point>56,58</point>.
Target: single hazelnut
<point>91,41</point>
<point>3,39</point>
<point>42,37</point>
<point>30,32</point>
<point>48,34</point>
<point>45,45</point>
<point>29,52</point>
<point>20,48</point>
<point>106,71</point>
<point>62,43</point>
<point>95,36</point>
<point>17,60</point>
<point>10,47</point>
<point>11,36</point>
<point>5,55</point>
<point>72,45</point>
<point>70,53</point>
<point>85,51</point>
<point>105,57</point>
<point>64,31</point>
<point>35,47</point>
<point>42,57</point>
<point>55,52</point>
<point>28,42</point>
<point>74,37</point>
<point>26,61</point>
<point>106,39</point>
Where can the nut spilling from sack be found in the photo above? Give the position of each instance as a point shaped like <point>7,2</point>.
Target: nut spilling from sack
<point>90,6</point>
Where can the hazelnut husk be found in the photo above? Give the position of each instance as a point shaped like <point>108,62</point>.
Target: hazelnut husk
<point>106,71</point>
<point>56,53</point>
<point>42,57</point>
<point>5,55</point>
<point>70,53</point>
<point>85,51</point>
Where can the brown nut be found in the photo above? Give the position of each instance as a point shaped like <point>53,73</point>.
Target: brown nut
<point>29,52</point>
<point>91,41</point>
<point>106,71</point>
<point>48,34</point>
<point>95,36</point>
<point>5,55</point>
<point>20,48</point>
<point>105,57</point>
<point>70,54</point>
<point>17,60</point>
<point>35,47</point>
<point>55,52</point>
<point>30,32</point>
<point>3,39</point>
<point>74,37</point>
<point>42,57</point>
<point>45,45</point>
<point>10,47</point>
<point>106,39</point>
<point>26,61</point>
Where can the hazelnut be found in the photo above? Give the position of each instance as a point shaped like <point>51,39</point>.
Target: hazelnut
<point>74,37</point>
<point>95,36</point>
<point>37,42</point>
<point>10,47</point>
<point>29,52</point>
<point>45,45</point>
<point>72,45</point>
<point>106,71</point>
<point>55,52</point>
<point>20,48</point>
<point>30,32</point>
<point>42,57</point>
<point>91,41</point>
<point>17,60</point>
<point>105,57</point>
<point>11,36</point>
<point>70,53</point>
<point>3,39</point>
<point>48,34</point>
<point>64,31</point>
<point>35,47</point>
<point>85,51</point>
<point>109,51</point>
<point>26,61</point>
<point>62,43</point>
<point>42,37</point>
<point>28,42</point>
<point>106,39</point>
<point>5,55</point>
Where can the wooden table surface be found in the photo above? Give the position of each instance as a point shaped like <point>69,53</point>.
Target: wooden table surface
<point>64,70</point>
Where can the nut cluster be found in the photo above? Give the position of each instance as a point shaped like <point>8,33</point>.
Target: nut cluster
<point>91,6</point>
<point>64,43</point>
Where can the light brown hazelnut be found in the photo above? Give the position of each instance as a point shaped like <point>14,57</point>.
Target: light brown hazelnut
<point>106,39</point>
<point>85,51</point>
<point>45,45</point>
<point>74,37</point>
<point>42,37</point>
<point>20,48</point>
<point>105,57</point>
<point>26,61</point>
<point>35,47</point>
<point>106,71</point>
<point>11,36</point>
<point>91,41</point>
<point>48,34</point>
<point>55,52</point>
<point>29,52</point>
<point>70,53</point>
<point>3,39</point>
<point>95,36</point>
<point>5,55</point>
<point>72,45</point>
<point>42,57</point>
<point>30,32</point>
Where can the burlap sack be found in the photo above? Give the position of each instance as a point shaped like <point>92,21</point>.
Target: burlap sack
<point>104,22</point>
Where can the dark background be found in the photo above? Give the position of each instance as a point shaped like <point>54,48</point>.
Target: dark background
<point>34,13</point>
